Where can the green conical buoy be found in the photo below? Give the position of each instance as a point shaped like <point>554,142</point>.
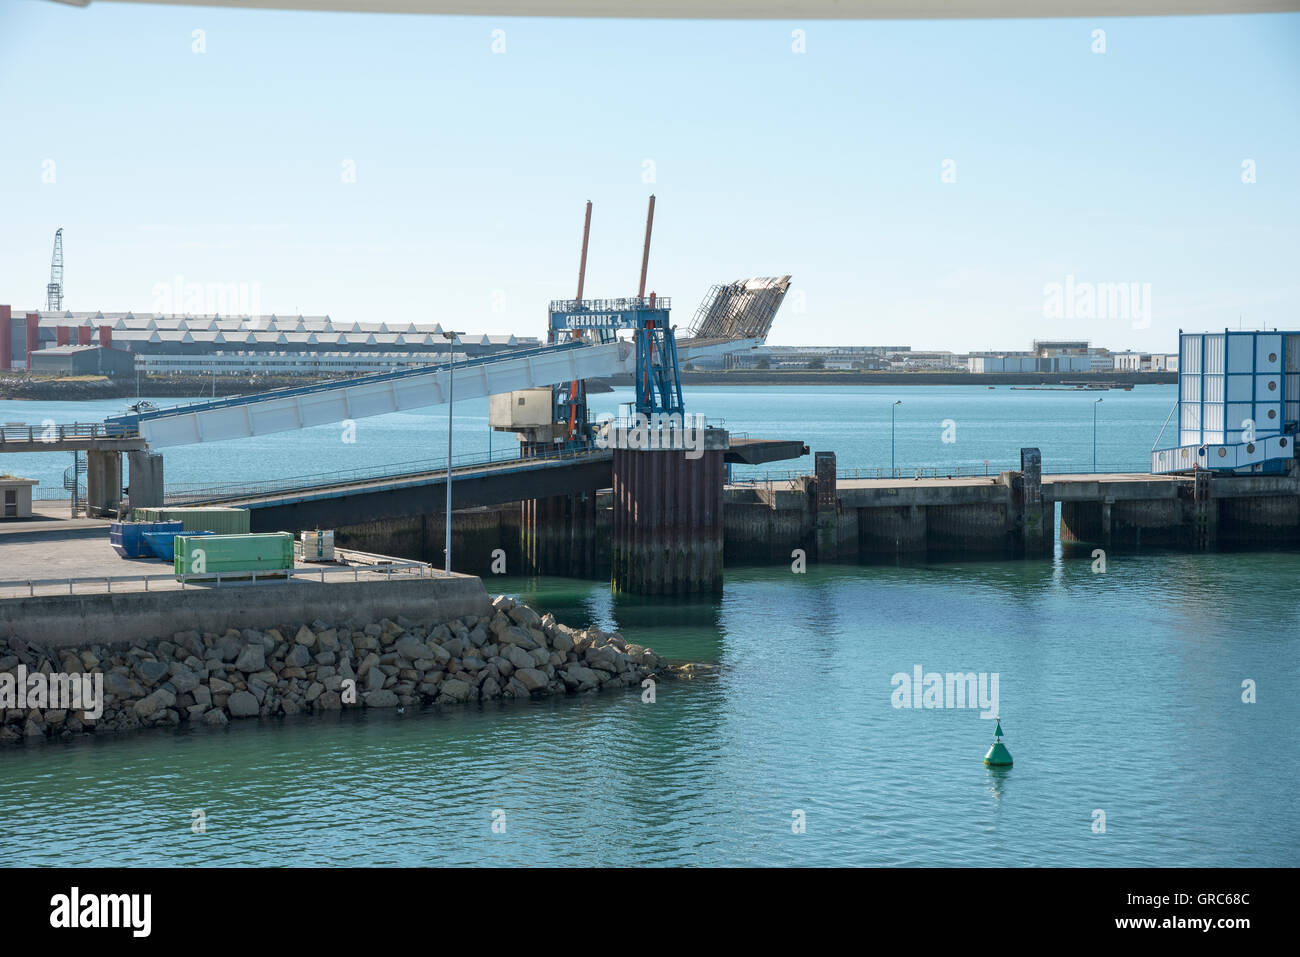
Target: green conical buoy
<point>998,756</point>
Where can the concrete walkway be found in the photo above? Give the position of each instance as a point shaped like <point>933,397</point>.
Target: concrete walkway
<point>51,519</point>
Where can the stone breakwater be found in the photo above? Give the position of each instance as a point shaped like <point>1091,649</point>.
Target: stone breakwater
<point>210,679</point>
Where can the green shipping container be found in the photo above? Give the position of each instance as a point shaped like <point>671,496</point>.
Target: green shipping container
<point>219,521</point>
<point>229,554</point>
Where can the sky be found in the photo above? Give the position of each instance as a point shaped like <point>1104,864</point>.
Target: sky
<point>963,185</point>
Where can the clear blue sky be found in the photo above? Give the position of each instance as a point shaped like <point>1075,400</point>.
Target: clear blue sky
<point>472,167</point>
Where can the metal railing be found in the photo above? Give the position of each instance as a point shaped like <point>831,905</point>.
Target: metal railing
<point>991,470</point>
<point>691,420</point>
<point>395,472</point>
<point>53,434</point>
<point>105,583</point>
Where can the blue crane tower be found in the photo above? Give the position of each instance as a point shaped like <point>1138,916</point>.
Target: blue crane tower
<point>658,386</point>
<point>657,378</point>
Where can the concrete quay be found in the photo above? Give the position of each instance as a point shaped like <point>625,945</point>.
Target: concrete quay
<point>1011,515</point>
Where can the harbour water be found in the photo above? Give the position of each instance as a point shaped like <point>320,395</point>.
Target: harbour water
<point>1119,692</point>
<point>854,421</point>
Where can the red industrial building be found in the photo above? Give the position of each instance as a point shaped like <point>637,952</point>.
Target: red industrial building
<point>20,337</point>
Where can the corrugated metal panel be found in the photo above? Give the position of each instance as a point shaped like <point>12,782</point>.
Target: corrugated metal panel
<point>1214,354</point>
<point>206,555</point>
<point>220,521</point>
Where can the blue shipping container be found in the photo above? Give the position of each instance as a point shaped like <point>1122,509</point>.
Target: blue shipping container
<point>127,538</point>
<point>163,544</point>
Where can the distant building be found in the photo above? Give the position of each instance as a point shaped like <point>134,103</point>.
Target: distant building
<point>24,336</point>
<point>812,357</point>
<point>911,361</point>
<point>1045,355</point>
<point>1061,347</point>
<point>82,360</point>
<point>1028,363</point>
<point>1130,361</point>
<point>1101,360</point>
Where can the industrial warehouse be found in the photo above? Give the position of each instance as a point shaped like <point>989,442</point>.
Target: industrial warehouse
<point>56,341</point>
<point>307,345</point>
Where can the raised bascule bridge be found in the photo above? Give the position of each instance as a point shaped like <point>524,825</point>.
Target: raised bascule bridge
<point>667,491</point>
<point>646,493</point>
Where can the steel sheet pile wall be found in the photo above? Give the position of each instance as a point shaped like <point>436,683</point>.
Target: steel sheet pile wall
<point>668,534</point>
<point>970,531</point>
<point>1154,523</point>
<point>557,535</point>
<point>1265,520</point>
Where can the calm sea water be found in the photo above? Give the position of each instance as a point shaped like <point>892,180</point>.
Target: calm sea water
<point>1119,692</point>
<point>854,421</point>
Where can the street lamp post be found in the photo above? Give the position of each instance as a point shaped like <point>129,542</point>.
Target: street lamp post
<point>1094,435</point>
<point>450,336</point>
<point>892,472</point>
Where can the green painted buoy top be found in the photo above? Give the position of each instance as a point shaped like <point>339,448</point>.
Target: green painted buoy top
<point>998,756</point>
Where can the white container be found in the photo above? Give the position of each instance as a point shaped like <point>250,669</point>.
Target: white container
<point>317,546</point>
<point>521,409</point>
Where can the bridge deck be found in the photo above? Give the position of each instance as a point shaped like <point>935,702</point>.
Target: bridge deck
<point>324,403</point>
<point>521,467</point>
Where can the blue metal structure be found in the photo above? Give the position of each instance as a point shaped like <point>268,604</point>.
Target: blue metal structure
<point>657,378</point>
<point>1238,403</point>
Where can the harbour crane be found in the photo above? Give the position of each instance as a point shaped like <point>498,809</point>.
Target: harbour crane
<point>54,291</point>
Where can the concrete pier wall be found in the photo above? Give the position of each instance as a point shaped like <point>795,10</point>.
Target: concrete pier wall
<point>893,532</point>
<point>475,534</point>
<point>993,517</point>
<point>755,533</point>
<point>123,617</point>
<point>965,531</point>
<point>1265,520</point>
